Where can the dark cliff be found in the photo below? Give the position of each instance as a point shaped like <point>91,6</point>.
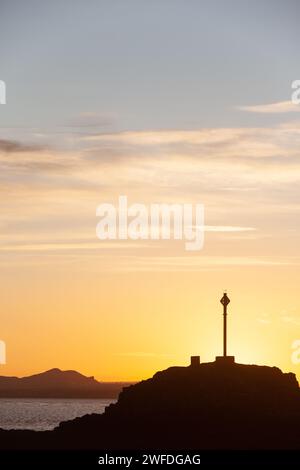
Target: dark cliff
<point>211,406</point>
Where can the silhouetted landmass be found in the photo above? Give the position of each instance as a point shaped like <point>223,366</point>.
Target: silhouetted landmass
<point>56,383</point>
<point>211,406</point>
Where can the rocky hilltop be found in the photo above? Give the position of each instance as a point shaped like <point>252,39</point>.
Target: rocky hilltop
<point>209,406</point>
<point>56,383</point>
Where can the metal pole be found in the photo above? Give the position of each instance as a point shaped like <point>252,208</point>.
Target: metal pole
<point>225,331</point>
<point>225,301</point>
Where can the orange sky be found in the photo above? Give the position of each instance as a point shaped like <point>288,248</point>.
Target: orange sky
<point>128,325</point>
<point>163,103</point>
<point>122,310</point>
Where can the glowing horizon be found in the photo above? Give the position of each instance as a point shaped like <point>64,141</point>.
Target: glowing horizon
<point>167,105</point>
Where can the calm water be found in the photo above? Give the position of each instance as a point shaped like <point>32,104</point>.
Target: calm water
<point>45,414</point>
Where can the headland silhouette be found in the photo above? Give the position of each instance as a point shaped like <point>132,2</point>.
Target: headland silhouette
<point>215,405</point>
<point>55,383</point>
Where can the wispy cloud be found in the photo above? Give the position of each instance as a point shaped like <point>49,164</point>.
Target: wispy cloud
<point>12,146</point>
<point>92,120</point>
<point>272,108</point>
<point>264,321</point>
<point>197,263</point>
<point>290,317</point>
<point>240,174</point>
<point>241,145</point>
<point>143,354</point>
<point>70,246</point>
<point>226,228</point>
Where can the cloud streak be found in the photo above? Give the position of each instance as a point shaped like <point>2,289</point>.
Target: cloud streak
<point>239,174</point>
<point>272,108</point>
<point>12,146</point>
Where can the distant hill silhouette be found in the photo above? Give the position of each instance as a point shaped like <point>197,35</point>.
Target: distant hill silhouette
<point>211,406</point>
<point>56,383</point>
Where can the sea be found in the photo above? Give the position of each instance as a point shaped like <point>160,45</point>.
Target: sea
<point>45,414</point>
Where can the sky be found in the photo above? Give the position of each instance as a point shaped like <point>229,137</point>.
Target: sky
<point>165,102</point>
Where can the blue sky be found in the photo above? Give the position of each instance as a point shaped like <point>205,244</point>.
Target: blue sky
<point>163,101</point>
<point>146,64</point>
